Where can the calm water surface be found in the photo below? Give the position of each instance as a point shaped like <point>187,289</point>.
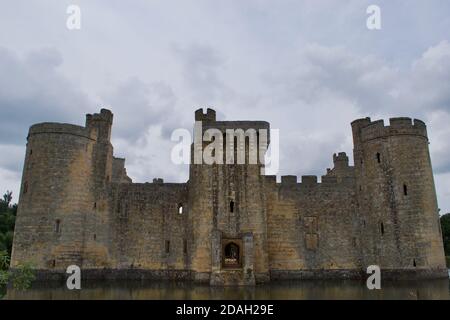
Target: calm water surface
<point>306,289</point>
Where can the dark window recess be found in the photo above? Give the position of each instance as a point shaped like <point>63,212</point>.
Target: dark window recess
<point>25,187</point>
<point>95,237</point>
<point>405,190</point>
<point>58,226</point>
<point>361,160</point>
<point>378,157</point>
<point>414,263</point>
<point>382,228</point>
<point>231,206</point>
<point>31,152</point>
<point>167,246</point>
<point>95,205</point>
<point>185,246</point>
<point>231,255</point>
<point>53,263</point>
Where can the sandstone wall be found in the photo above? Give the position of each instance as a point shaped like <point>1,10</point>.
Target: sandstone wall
<point>397,200</point>
<point>56,196</point>
<point>147,230</point>
<point>311,225</point>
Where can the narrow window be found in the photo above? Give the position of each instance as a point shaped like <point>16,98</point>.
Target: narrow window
<point>180,208</point>
<point>184,246</point>
<point>95,205</point>
<point>53,263</point>
<point>31,152</point>
<point>405,190</point>
<point>382,228</point>
<point>414,263</point>
<point>167,246</point>
<point>95,237</point>
<point>361,160</point>
<point>231,206</point>
<point>58,226</point>
<point>378,157</point>
<point>25,187</point>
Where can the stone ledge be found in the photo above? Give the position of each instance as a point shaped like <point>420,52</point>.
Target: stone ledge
<point>204,277</point>
<point>387,274</point>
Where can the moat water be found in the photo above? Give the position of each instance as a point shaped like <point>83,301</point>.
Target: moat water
<point>297,290</point>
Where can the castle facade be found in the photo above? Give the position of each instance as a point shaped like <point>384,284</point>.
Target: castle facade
<point>229,224</point>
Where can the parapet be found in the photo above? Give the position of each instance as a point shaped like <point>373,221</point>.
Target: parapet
<point>340,157</point>
<point>61,128</point>
<point>288,179</point>
<point>309,180</point>
<point>271,179</point>
<point>209,116</point>
<point>101,122</point>
<point>158,180</point>
<point>104,115</point>
<point>365,130</point>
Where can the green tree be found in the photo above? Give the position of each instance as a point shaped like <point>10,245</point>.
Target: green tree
<point>445,226</point>
<point>7,222</point>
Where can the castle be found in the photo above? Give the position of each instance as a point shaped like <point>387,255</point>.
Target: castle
<point>229,224</point>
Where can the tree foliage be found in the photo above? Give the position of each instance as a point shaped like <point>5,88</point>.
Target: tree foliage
<point>7,221</point>
<point>445,226</point>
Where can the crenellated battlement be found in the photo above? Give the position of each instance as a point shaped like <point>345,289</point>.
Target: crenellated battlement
<point>104,115</point>
<point>62,128</point>
<point>308,181</point>
<point>365,129</point>
<point>340,157</point>
<point>209,116</point>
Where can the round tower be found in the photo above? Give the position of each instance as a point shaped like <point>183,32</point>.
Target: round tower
<point>397,205</point>
<point>55,196</point>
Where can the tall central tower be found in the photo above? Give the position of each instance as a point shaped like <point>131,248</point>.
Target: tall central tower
<point>228,220</point>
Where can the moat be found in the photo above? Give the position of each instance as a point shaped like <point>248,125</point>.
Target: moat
<point>301,290</point>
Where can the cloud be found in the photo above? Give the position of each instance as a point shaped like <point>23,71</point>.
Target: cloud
<point>32,90</point>
<point>307,68</point>
<point>201,67</point>
<point>138,105</point>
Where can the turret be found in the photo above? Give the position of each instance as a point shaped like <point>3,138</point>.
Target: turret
<point>209,116</point>
<point>63,191</point>
<point>55,196</point>
<point>397,203</point>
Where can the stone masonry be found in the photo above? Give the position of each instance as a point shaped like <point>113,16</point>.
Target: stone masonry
<point>229,224</point>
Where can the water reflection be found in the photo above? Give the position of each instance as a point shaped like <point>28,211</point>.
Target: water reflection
<point>344,289</point>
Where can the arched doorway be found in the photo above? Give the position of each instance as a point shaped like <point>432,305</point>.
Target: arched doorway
<point>231,255</point>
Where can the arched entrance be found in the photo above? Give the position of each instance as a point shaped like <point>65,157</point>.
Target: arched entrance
<point>231,254</point>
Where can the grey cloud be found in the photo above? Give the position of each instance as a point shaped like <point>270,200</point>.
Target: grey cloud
<point>137,106</point>
<point>32,90</point>
<point>201,66</point>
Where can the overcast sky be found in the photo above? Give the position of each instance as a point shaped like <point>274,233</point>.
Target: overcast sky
<point>307,67</point>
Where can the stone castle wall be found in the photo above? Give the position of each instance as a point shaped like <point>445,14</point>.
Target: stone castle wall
<point>311,226</point>
<point>78,206</point>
